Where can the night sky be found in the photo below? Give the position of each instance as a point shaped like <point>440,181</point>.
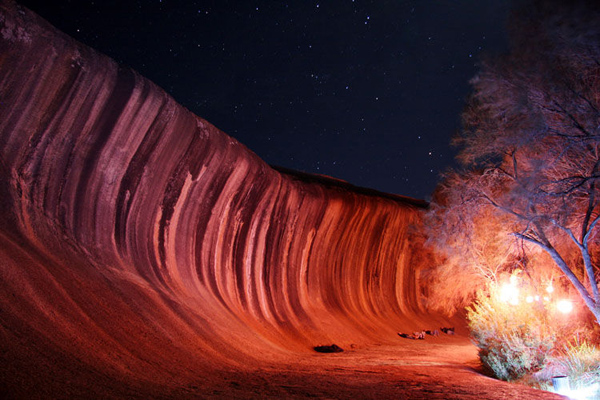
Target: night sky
<point>362,90</point>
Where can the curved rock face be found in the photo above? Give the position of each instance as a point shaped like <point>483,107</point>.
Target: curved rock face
<point>141,243</point>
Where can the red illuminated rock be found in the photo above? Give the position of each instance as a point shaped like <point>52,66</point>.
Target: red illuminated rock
<point>143,252</point>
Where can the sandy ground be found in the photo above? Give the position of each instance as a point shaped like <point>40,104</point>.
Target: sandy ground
<point>443,368</point>
<point>435,368</point>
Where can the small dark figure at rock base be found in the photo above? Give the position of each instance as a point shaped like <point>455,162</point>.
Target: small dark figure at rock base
<point>334,348</point>
<point>415,335</point>
<point>421,334</point>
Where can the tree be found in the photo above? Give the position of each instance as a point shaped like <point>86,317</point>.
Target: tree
<point>471,249</point>
<point>530,147</point>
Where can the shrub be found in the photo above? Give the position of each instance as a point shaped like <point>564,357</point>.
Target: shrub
<point>513,338</point>
<point>580,361</point>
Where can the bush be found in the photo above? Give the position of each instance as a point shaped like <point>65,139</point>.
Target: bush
<point>513,338</point>
<point>515,355</point>
<point>580,361</point>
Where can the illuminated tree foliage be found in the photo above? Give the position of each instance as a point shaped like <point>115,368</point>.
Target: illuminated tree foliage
<point>530,152</point>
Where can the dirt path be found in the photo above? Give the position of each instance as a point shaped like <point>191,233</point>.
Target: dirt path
<point>444,368</point>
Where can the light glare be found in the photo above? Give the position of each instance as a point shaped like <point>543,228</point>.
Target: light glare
<point>564,306</point>
<point>509,294</point>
